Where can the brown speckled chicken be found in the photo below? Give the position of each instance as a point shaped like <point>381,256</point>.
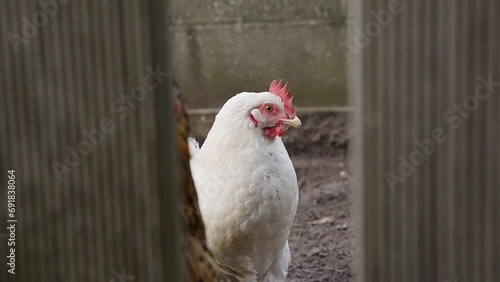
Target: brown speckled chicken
<point>199,262</point>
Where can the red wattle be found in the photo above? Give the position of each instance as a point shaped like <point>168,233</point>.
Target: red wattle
<point>274,131</point>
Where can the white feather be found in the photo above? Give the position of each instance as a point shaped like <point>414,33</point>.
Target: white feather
<point>194,146</point>
<point>247,189</point>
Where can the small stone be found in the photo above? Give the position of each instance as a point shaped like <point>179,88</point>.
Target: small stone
<point>323,220</point>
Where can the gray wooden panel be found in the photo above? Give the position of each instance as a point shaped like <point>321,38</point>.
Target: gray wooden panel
<point>439,221</point>
<point>61,108</point>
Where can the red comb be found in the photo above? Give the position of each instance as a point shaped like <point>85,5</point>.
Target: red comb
<point>284,93</point>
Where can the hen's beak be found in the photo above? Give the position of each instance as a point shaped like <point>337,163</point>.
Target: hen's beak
<point>295,122</point>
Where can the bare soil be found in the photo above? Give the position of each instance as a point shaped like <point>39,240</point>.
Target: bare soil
<point>321,239</point>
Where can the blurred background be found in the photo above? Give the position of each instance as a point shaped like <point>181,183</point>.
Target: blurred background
<point>222,47</point>
<point>397,162</point>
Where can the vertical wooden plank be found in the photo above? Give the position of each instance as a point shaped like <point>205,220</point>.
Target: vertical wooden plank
<point>419,123</point>
<point>441,224</point>
<point>168,197</point>
<point>100,220</point>
<point>492,249</point>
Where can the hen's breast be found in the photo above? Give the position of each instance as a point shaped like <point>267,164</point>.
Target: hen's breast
<point>248,203</point>
<point>274,199</point>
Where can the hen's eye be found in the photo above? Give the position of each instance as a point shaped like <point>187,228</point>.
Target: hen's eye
<point>269,109</point>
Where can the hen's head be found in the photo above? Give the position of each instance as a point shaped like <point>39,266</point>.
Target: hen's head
<point>268,113</point>
<point>274,112</point>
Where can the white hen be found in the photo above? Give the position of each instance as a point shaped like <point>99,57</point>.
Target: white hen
<point>247,184</point>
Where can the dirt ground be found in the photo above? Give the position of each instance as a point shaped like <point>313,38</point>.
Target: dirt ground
<point>321,239</point>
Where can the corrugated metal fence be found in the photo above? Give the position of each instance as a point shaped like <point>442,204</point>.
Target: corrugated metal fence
<point>426,83</point>
<point>83,85</point>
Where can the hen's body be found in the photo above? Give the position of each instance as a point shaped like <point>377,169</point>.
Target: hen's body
<point>248,194</point>
<point>200,265</point>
